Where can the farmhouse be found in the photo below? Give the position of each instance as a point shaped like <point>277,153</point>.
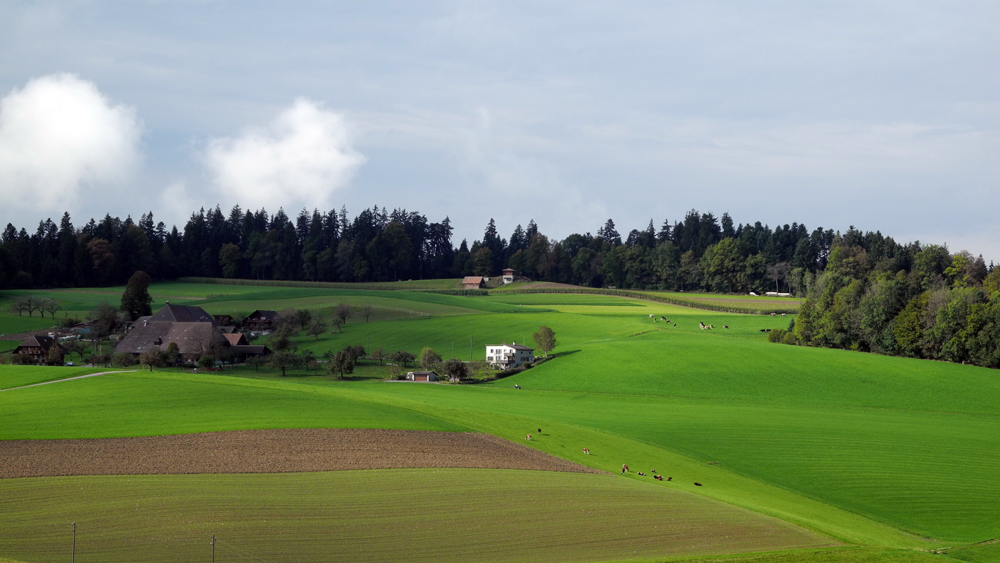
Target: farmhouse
<point>242,349</point>
<point>508,276</point>
<point>38,347</point>
<point>191,328</point>
<point>261,321</point>
<point>421,376</point>
<point>506,356</point>
<point>472,282</point>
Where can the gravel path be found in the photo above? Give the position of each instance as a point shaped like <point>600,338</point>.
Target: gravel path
<point>271,451</point>
<point>65,379</point>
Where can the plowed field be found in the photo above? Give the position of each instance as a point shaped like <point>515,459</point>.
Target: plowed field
<point>271,451</point>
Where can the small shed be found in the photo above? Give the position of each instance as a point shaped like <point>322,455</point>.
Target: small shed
<point>508,276</point>
<point>472,282</point>
<point>421,376</point>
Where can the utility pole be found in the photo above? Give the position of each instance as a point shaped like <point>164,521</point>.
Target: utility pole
<point>470,348</point>
<point>213,548</point>
<point>74,543</point>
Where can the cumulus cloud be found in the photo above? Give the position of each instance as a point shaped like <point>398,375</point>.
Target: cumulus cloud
<point>301,158</point>
<point>59,136</point>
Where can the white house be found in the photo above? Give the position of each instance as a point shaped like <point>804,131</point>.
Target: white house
<point>506,356</point>
<point>508,276</point>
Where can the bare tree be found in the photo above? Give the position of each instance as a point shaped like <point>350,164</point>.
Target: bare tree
<point>778,272</point>
<point>315,328</point>
<point>366,312</point>
<point>50,306</point>
<point>342,312</point>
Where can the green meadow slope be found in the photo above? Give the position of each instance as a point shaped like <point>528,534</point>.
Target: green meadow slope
<point>866,449</point>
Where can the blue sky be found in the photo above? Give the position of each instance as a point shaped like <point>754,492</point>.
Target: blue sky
<point>880,115</point>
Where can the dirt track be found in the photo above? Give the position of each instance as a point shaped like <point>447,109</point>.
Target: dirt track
<point>271,451</point>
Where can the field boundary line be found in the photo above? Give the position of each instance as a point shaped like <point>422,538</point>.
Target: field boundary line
<point>645,297</point>
<point>66,379</point>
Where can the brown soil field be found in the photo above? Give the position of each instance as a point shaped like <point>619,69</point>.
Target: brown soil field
<point>272,451</point>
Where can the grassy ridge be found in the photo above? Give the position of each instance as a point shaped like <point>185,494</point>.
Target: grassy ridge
<point>416,285</point>
<point>364,516</point>
<point>17,376</point>
<point>144,404</point>
<point>747,305</point>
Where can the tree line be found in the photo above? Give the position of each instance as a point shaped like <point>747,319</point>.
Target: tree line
<point>923,302</point>
<point>699,252</point>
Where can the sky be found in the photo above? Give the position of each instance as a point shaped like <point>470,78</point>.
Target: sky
<point>880,115</point>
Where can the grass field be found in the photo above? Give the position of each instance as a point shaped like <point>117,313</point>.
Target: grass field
<point>871,450</point>
<point>17,376</point>
<point>443,515</point>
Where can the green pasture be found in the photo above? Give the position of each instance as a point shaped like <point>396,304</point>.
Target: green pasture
<point>18,376</point>
<point>14,324</point>
<point>866,449</point>
<point>383,515</point>
<point>408,285</point>
<point>987,552</point>
<point>747,303</point>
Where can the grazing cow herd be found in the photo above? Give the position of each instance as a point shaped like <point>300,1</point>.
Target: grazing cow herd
<point>704,326</point>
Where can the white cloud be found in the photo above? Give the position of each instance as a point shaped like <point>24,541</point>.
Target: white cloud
<point>60,136</point>
<point>300,159</point>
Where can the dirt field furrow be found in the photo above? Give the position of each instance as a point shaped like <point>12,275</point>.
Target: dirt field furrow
<point>271,451</point>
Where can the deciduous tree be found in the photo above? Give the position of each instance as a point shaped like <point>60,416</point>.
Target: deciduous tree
<point>545,339</point>
<point>429,358</point>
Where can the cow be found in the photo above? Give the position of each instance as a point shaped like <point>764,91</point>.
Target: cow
<point>698,484</point>
<point>725,326</point>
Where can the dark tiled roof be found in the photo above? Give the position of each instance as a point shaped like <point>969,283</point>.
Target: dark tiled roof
<point>262,314</point>
<point>191,338</point>
<point>38,341</point>
<point>515,346</point>
<point>252,349</point>
<point>182,314</point>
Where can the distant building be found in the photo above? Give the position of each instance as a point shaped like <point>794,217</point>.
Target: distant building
<point>472,282</point>
<point>425,376</point>
<point>776,294</point>
<point>191,328</point>
<point>505,356</point>
<point>38,347</point>
<point>508,276</point>
<point>261,321</point>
